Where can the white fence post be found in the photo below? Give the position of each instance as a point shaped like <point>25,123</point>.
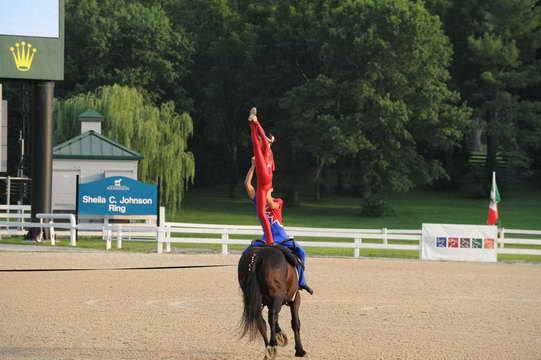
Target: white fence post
<point>106,226</point>
<point>159,248</point>
<point>225,239</point>
<point>51,232</point>
<point>357,249</point>
<point>119,238</point>
<point>162,215</point>
<point>167,235</point>
<point>21,216</point>
<point>73,230</point>
<point>109,237</point>
<point>385,240</point>
<point>40,236</point>
<point>501,240</point>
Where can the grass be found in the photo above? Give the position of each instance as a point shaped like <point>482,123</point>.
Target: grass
<point>519,209</point>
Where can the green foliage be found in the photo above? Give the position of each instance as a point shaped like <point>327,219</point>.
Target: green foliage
<point>376,206</point>
<point>381,96</point>
<point>159,134</point>
<point>221,82</point>
<point>124,42</point>
<point>497,69</point>
<point>362,95</point>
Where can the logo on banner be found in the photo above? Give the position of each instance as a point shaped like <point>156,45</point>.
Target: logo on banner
<point>23,55</point>
<point>463,243</point>
<point>118,186</point>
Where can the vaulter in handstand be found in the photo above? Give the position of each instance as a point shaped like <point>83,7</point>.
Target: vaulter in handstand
<point>269,209</point>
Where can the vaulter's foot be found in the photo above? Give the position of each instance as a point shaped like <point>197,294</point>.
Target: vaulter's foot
<point>253,114</point>
<point>307,288</point>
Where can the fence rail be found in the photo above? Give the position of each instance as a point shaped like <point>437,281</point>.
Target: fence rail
<point>354,237</point>
<point>176,232</point>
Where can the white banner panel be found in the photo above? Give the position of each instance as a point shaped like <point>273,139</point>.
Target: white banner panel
<point>459,242</point>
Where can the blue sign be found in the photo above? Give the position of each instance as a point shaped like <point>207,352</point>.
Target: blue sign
<point>118,195</point>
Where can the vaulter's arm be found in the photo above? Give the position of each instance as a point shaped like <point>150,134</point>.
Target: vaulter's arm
<point>270,201</point>
<point>250,191</point>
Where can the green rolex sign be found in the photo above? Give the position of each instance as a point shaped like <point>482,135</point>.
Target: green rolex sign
<point>32,39</point>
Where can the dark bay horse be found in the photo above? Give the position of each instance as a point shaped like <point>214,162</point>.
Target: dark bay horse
<point>268,278</point>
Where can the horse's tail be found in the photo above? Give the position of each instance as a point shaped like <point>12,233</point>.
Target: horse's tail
<point>252,299</point>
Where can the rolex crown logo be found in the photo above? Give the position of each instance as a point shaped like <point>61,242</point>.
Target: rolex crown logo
<point>23,54</point>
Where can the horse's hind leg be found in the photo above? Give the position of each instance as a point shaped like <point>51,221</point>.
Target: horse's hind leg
<point>274,310</point>
<point>262,327</point>
<point>296,325</point>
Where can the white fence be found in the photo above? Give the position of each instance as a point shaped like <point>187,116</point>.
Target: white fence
<point>225,235</point>
<point>21,213</point>
<point>351,238</point>
<point>518,237</point>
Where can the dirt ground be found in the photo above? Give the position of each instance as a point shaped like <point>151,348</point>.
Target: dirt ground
<point>361,309</point>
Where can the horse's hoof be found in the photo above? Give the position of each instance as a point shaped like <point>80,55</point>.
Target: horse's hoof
<point>300,353</point>
<point>270,353</point>
<point>281,339</point>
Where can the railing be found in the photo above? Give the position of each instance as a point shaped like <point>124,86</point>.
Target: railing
<point>518,237</point>
<point>354,239</point>
<point>19,212</point>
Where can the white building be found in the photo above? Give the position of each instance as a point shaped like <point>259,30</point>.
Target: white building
<point>90,155</point>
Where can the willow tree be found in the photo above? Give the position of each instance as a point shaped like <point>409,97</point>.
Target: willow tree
<point>160,134</point>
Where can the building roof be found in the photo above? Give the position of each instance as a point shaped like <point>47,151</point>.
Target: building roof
<point>94,146</point>
<point>91,115</point>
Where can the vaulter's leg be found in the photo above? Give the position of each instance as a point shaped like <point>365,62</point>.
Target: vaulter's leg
<point>264,180</point>
<point>299,251</point>
<point>261,200</point>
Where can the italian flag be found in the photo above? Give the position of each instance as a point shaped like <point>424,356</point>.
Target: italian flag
<point>493,215</point>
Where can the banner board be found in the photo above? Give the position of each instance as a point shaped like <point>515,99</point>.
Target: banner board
<point>459,242</point>
<point>32,39</point>
<point>118,195</point>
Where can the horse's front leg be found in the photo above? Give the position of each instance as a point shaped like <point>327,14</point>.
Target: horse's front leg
<point>281,337</point>
<point>296,325</point>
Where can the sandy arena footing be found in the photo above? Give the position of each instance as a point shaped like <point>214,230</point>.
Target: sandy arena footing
<point>110,306</point>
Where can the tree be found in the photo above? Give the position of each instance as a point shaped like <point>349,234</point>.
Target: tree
<point>221,83</point>
<point>160,134</point>
<point>384,87</point>
<point>128,43</point>
<point>497,69</point>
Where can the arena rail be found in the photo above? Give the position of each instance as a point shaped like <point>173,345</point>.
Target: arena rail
<point>19,212</point>
<point>353,238</point>
<point>52,217</point>
<point>518,237</point>
<point>510,241</point>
